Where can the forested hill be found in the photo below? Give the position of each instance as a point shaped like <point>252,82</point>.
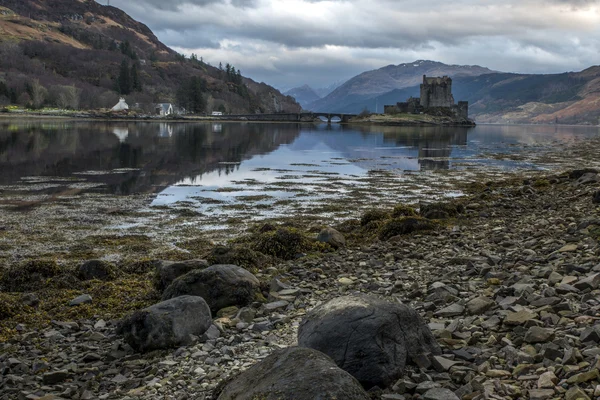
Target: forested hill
<point>81,54</point>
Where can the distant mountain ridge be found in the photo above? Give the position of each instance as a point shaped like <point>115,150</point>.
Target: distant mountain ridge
<point>373,83</point>
<point>304,95</point>
<point>83,48</point>
<point>494,97</point>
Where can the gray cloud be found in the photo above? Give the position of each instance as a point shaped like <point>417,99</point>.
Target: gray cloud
<point>316,41</point>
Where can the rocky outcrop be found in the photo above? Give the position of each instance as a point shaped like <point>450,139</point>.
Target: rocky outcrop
<point>370,338</point>
<point>220,285</point>
<point>168,324</point>
<point>294,374</point>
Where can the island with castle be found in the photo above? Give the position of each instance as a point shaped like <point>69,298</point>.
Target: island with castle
<point>436,106</point>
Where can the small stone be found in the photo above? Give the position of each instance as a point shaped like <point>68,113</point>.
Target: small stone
<point>541,394</point>
<point>575,393</point>
<point>568,248</point>
<point>442,364</point>
<point>519,318</point>
<point>479,305</point>
<point>547,380</point>
<point>584,377</point>
<point>498,373</point>
<point>591,334</point>
<point>535,334</point>
<point>591,282</point>
<point>452,310</point>
<point>54,377</point>
<point>346,281</point>
<point>276,305</point>
<point>79,300</point>
<point>440,394</point>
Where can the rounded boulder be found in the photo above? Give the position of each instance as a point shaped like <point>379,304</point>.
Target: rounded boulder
<point>168,271</point>
<point>370,338</point>
<point>220,285</point>
<point>171,323</point>
<point>294,374</point>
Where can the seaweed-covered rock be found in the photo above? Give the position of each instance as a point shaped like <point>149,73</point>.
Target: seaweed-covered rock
<point>238,255</point>
<point>294,374</point>
<point>372,339</point>
<point>284,243</point>
<point>373,215</point>
<point>30,276</point>
<point>596,197</point>
<point>168,271</point>
<point>404,226</point>
<point>220,285</point>
<point>332,237</point>
<point>96,269</point>
<point>441,210</point>
<point>168,324</point>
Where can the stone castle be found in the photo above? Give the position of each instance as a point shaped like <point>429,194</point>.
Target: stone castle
<point>436,94</point>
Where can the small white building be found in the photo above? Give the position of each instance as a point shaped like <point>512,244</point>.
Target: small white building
<point>121,105</point>
<point>164,109</point>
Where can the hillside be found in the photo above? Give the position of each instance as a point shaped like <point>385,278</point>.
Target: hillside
<point>303,95</point>
<point>371,84</point>
<point>80,54</point>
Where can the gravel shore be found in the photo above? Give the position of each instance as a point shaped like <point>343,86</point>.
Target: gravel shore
<point>510,288</point>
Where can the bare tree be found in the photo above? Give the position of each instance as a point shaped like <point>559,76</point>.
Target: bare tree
<point>38,93</point>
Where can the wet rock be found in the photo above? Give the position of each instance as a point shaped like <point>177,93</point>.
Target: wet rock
<point>96,269</point>
<point>168,324</point>
<point>167,271</point>
<point>219,285</point>
<point>370,338</point>
<point>79,300</point>
<point>332,237</point>
<point>294,374</point>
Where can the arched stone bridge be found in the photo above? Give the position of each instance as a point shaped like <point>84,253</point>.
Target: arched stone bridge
<point>292,117</point>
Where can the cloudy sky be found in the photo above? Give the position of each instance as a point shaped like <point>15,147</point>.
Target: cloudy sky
<point>287,43</point>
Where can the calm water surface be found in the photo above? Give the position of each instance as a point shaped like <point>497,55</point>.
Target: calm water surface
<point>208,164</point>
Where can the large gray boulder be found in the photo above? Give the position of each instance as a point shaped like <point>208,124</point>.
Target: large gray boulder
<point>220,285</point>
<point>370,338</point>
<point>294,374</point>
<point>168,324</point>
<point>168,271</point>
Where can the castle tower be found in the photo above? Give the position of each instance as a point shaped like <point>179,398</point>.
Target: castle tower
<point>436,92</point>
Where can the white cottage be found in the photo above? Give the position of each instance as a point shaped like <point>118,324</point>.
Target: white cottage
<point>121,105</point>
<point>164,109</point>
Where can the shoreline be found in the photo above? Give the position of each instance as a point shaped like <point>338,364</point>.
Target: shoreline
<point>502,264</point>
<point>377,120</point>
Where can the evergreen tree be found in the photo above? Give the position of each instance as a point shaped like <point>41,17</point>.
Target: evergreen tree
<point>190,95</point>
<point>124,80</point>
<point>136,84</point>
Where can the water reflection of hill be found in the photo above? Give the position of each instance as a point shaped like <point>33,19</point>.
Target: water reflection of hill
<point>150,156</point>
